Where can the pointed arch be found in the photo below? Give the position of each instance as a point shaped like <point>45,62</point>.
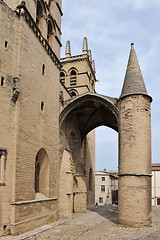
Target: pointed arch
<point>42,172</point>
<point>62,77</point>
<point>91,110</point>
<point>73,78</point>
<point>71,69</point>
<point>49,29</point>
<point>52,21</point>
<point>39,14</point>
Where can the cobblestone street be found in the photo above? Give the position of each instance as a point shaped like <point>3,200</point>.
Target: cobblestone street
<point>96,224</point>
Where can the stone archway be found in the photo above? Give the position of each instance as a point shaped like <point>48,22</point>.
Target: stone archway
<point>91,110</point>
<point>130,117</point>
<point>79,117</point>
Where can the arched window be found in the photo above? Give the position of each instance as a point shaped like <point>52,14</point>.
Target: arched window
<point>42,173</point>
<point>62,77</point>
<point>39,14</point>
<point>90,179</point>
<point>73,94</point>
<point>73,78</point>
<point>49,29</point>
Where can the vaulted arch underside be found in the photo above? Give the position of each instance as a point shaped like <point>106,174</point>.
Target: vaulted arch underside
<point>90,111</point>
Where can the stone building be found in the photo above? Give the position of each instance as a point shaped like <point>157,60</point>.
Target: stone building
<point>106,187</point>
<point>155,184</point>
<point>47,142</point>
<point>29,106</point>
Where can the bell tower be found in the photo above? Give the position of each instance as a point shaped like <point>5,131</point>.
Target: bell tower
<point>78,72</point>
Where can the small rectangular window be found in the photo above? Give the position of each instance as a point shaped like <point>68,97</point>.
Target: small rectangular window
<point>102,188</point>
<point>2,81</point>
<point>103,178</point>
<point>6,44</point>
<point>3,157</point>
<point>100,199</point>
<point>43,69</point>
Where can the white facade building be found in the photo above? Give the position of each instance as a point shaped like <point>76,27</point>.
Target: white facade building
<point>106,187</point>
<point>155,184</point>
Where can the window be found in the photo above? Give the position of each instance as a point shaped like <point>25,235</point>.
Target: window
<point>103,178</point>
<point>39,14</point>
<point>73,94</point>
<point>100,199</point>
<point>102,188</point>
<point>42,173</point>
<point>6,44</point>
<point>2,81</point>
<point>62,77</point>
<point>73,78</point>
<point>43,69</point>
<point>3,158</point>
<point>90,179</point>
<point>49,29</point>
<point>158,201</point>
<point>42,105</point>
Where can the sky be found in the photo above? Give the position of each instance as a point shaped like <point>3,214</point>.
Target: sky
<point>110,27</point>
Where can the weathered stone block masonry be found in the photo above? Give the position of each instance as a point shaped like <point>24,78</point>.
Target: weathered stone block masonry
<point>48,109</point>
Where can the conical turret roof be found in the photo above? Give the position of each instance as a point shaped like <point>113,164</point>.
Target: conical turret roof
<point>133,82</point>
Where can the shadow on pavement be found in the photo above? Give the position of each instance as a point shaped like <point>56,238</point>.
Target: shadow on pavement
<point>109,212</point>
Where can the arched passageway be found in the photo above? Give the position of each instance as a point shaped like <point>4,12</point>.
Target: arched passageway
<point>77,120</point>
<point>84,113</point>
<point>90,111</point>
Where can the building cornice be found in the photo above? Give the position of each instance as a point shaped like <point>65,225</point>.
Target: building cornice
<point>80,86</point>
<point>59,9</point>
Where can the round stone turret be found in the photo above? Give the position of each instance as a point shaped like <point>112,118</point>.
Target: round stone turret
<point>134,182</point>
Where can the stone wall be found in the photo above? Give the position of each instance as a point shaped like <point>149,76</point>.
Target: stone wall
<point>29,106</point>
<point>8,66</point>
<point>31,214</point>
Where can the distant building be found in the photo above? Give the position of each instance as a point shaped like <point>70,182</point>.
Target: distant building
<point>155,183</point>
<point>106,187</point>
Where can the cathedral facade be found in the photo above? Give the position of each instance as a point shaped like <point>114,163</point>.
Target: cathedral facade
<point>49,110</point>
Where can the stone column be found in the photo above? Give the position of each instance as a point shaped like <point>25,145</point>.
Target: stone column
<point>134,188</point>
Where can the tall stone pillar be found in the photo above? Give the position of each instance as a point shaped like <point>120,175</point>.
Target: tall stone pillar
<point>134,197</point>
